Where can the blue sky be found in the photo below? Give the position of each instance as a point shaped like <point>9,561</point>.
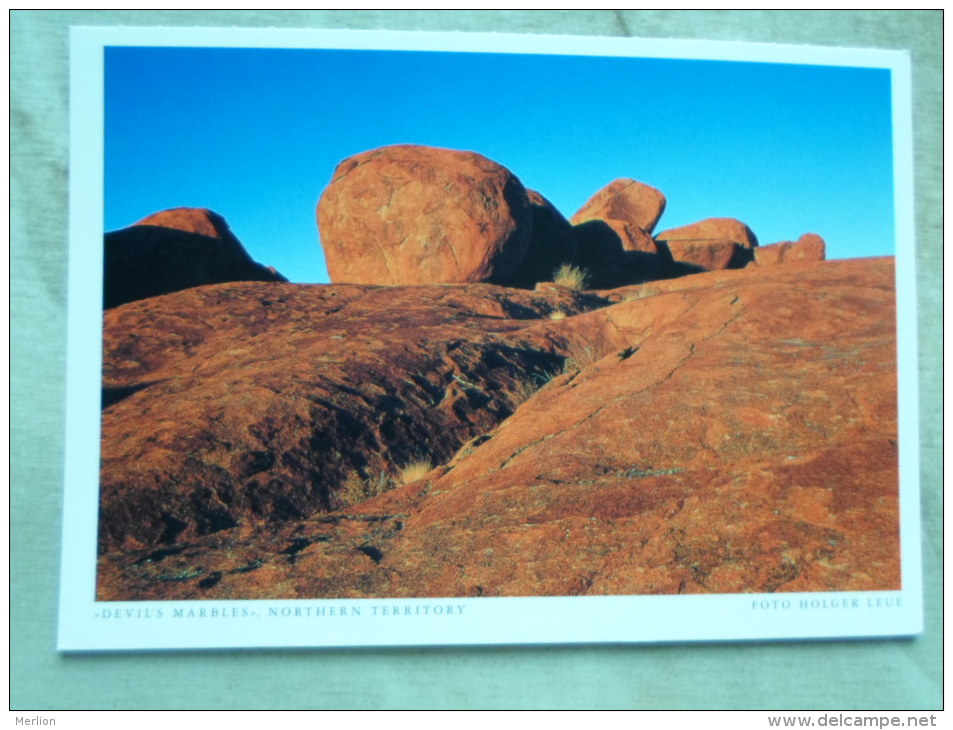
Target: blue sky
<point>255,135</point>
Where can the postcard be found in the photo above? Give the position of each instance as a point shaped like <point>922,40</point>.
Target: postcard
<point>390,339</point>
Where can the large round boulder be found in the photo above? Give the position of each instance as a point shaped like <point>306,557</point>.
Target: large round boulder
<point>409,214</point>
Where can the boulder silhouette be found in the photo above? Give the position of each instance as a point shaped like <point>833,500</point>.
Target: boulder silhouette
<point>552,243</point>
<point>174,250</point>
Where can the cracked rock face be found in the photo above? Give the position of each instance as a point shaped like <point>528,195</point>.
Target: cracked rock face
<point>410,214</point>
<point>248,405</point>
<point>732,431</point>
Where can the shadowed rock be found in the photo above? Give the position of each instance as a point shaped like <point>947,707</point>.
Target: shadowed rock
<point>551,244</point>
<point>616,254</point>
<point>174,250</point>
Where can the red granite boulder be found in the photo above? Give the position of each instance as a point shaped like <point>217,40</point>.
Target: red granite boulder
<point>808,248</point>
<point>712,229</point>
<point>709,245</point>
<point>203,221</point>
<point>410,214</point>
<point>631,237</point>
<point>626,200</point>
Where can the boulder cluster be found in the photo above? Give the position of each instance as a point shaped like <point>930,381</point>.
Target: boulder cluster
<point>411,215</point>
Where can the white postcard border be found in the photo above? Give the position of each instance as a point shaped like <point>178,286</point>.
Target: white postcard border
<point>89,625</point>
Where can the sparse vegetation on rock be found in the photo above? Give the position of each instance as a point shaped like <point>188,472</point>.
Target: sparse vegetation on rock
<point>571,277</point>
<point>415,471</point>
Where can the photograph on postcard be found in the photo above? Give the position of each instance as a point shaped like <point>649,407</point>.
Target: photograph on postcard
<point>382,324</point>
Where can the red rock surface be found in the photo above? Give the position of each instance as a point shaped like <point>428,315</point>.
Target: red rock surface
<point>243,404</point>
<point>707,255</point>
<point>173,250</point>
<point>203,221</point>
<point>725,432</point>
<point>808,248</point>
<point>709,245</point>
<point>626,200</point>
<point>632,237</point>
<point>410,214</point>
<point>712,229</point>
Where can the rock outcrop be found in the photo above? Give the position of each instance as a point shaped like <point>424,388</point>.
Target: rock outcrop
<point>720,433</point>
<point>249,404</point>
<point>391,436</point>
<point>414,215</point>
<point>713,244</point>
<point>203,221</point>
<point>552,243</point>
<point>808,248</point>
<point>626,200</point>
<point>173,250</point>
<point>410,214</point>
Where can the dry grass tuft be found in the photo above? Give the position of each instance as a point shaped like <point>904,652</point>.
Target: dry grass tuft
<point>526,388</point>
<point>415,471</point>
<point>557,315</point>
<point>579,359</point>
<point>356,489</point>
<point>640,293</point>
<point>571,277</point>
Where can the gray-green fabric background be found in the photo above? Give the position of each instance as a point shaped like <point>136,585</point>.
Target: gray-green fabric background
<point>865,675</point>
